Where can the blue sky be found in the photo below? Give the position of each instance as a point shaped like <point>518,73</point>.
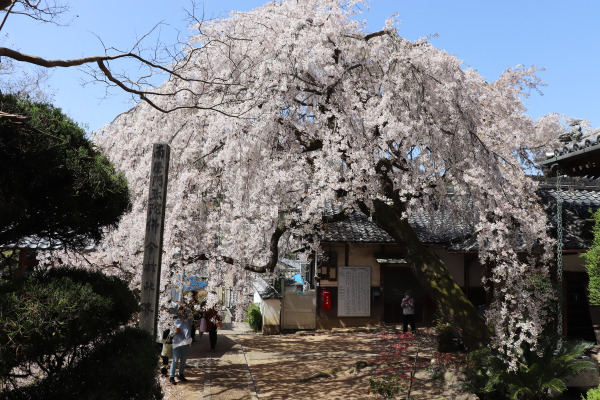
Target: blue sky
<point>487,35</point>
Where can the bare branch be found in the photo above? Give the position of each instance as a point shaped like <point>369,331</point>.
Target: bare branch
<point>3,5</point>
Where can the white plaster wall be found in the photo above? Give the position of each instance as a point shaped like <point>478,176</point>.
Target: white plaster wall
<point>362,256</point>
<point>256,299</point>
<point>270,310</point>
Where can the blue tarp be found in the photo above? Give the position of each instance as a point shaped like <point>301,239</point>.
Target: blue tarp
<point>297,278</point>
<point>190,283</point>
<point>193,283</point>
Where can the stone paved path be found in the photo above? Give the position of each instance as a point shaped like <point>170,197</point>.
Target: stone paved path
<point>219,375</point>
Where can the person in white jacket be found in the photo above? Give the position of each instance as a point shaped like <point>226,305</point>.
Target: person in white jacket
<point>182,341</point>
<point>408,312</point>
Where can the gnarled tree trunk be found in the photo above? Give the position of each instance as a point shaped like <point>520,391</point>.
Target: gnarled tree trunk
<point>433,276</point>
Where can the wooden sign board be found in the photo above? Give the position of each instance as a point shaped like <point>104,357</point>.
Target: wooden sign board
<point>354,291</point>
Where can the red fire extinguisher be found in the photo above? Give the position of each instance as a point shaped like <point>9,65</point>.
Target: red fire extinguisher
<point>326,300</point>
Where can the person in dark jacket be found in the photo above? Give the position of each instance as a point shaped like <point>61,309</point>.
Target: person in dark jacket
<point>213,322</point>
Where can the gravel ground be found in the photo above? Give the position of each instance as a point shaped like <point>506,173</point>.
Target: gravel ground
<point>305,365</point>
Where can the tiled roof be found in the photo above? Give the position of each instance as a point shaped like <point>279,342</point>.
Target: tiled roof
<point>579,156</point>
<point>264,290</point>
<point>37,243</point>
<point>576,213</point>
<point>579,196</point>
<point>356,228</point>
<point>360,228</point>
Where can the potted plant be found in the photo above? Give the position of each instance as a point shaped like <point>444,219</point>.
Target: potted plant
<point>592,267</point>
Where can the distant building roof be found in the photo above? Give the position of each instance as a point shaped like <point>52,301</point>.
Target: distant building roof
<point>37,243</point>
<point>264,290</point>
<point>578,157</point>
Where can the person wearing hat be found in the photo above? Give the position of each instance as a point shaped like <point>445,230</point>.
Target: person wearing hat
<point>408,312</point>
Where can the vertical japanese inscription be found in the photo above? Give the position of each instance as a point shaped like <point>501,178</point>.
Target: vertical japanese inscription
<point>153,243</point>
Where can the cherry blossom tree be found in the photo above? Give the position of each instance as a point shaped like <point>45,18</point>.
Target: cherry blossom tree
<point>284,109</point>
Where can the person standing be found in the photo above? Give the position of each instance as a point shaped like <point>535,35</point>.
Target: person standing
<point>213,321</point>
<point>408,312</point>
<point>196,313</point>
<point>182,341</point>
<point>166,351</point>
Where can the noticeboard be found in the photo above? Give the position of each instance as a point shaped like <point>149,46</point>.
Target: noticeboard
<point>354,292</point>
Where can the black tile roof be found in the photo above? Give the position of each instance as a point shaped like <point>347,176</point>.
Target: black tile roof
<point>576,213</point>
<point>358,228</point>
<point>579,196</point>
<point>579,156</point>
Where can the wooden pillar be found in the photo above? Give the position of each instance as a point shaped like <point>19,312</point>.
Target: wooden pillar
<point>153,242</point>
<point>346,254</point>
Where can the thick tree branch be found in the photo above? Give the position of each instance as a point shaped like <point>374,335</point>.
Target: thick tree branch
<point>431,272</point>
<point>101,62</point>
<point>42,62</point>
<point>268,267</point>
<point>375,34</point>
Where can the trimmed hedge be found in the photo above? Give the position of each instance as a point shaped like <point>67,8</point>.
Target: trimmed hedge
<point>48,317</point>
<point>69,323</point>
<point>255,318</point>
<point>122,366</point>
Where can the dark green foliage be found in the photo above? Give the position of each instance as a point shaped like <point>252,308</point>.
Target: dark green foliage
<point>592,262</point>
<point>54,183</point>
<point>46,319</point>
<point>448,339</point>
<point>122,366</point>
<point>489,378</point>
<point>255,318</point>
<point>123,300</point>
<point>8,263</point>
<point>484,375</point>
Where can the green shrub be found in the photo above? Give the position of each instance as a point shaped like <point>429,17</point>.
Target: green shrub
<point>448,338</point>
<point>56,183</point>
<point>537,372</point>
<point>592,394</point>
<point>483,375</point>
<point>49,319</point>
<point>255,318</point>
<point>122,366</point>
<point>123,301</point>
<point>592,262</point>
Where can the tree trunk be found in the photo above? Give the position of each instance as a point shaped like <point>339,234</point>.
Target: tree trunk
<point>434,277</point>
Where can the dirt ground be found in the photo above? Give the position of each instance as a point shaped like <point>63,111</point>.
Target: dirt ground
<point>304,365</point>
